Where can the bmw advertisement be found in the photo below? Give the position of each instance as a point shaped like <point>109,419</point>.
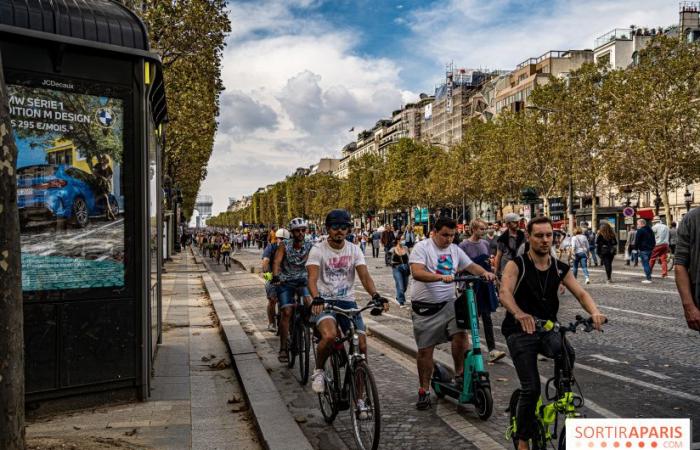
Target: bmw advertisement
<point>69,189</point>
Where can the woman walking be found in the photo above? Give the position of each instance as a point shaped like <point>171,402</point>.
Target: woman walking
<point>581,250</point>
<point>606,245</point>
<point>400,270</point>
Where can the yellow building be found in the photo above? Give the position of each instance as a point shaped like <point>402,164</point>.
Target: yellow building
<point>65,152</point>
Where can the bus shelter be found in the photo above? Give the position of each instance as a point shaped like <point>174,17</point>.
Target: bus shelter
<point>87,103</point>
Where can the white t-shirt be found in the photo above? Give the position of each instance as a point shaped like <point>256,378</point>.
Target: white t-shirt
<point>580,244</point>
<point>336,269</point>
<point>447,261</point>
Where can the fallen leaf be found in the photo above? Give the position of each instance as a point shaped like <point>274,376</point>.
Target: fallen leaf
<point>300,419</point>
<point>236,399</point>
<point>239,408</point>
<point>131,433</point>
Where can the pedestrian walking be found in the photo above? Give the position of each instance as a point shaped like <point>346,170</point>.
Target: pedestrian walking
<point>687,267</point>
<point>581,250</point>
<point>631,253</point>
<point>409,237</point>
<point>363,241</point>
<point>388,239</point>
<point>509,242</point>
<point>661,249</point>
<point>606,246</point>
<point>645,243</point>
<point>376,241</point>
<point>477,249</point>
<point>591,236</point>
<point>672,241</point>
<point>400,270</point>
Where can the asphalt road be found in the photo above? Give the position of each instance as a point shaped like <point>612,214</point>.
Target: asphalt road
<point>645,364</point>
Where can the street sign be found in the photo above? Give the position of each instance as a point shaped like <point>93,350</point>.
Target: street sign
<point>628,212</point>
<point>629,220</point>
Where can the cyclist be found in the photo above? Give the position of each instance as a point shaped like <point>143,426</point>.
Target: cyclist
<point>434,262</point>
<point>289,273</point>
<point>529,290</point>
<point>226,252</point>
<point>270,289</point>
<point>332,265</point>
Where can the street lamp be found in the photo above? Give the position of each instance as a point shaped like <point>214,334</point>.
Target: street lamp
<point>657,203</point>
<point>688,197</point>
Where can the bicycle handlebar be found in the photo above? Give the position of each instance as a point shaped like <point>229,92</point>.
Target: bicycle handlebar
<point>466,278</point>
<point>352,312</point>
<point>548,325</point>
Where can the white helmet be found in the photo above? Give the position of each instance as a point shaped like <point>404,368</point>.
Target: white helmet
<point>282,233</point>
<point>297,223</point>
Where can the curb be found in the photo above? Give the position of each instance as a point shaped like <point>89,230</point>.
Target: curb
<point>276,426</point>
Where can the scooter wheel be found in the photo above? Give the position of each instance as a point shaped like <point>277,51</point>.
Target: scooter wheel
<point>483,402</point>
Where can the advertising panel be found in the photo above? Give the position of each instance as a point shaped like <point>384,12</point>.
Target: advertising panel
<point>69,190</point>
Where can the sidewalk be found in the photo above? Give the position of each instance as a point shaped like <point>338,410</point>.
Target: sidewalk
<point>196,401</point>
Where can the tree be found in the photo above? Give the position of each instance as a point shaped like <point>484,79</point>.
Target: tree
<point>11,311</point>
<point>657,127</point>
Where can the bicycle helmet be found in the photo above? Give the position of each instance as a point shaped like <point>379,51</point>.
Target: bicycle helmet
<point>338,217</point>
<point>297,223</point>
<point>282,233</point>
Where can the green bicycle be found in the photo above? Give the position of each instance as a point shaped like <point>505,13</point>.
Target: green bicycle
<point>564,403</point>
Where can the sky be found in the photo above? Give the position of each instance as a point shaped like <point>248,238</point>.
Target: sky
<point>299,74</point>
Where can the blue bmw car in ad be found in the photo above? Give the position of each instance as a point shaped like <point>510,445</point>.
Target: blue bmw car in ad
<point>47,193</point>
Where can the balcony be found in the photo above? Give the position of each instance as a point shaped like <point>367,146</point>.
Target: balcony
<point>618,34</point>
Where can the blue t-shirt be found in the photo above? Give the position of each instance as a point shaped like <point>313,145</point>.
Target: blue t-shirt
<point>269,251</point>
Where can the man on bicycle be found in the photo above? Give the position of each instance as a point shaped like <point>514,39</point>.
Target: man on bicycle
<point>332,265</point>
<point>226,252</point>
<point>270,289</point>
<point>434,263</point>
<point>529,291</point>
<point>289,272</point>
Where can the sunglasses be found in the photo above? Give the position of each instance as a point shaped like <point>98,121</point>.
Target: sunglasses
<point>337,227</point>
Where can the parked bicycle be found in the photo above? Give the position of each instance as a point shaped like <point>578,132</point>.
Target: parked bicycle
<point>563,403</point>
<point>349,382</point>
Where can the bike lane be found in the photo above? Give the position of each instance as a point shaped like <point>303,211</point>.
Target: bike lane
<point>403,427</point>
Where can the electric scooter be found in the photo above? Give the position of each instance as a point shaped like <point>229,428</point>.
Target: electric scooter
<point>476,387</point>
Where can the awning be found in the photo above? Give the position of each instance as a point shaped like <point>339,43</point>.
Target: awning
<point>646,213</point>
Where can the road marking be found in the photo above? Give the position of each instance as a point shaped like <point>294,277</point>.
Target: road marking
<point>624,272</point>
<point>651,373</point>
<point>391,316</point>
<point>635,288</point>
<point>604,358</point>
<point>637,312</point>
<point>87,233</point>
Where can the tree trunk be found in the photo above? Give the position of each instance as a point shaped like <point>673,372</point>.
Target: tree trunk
<point>594,208</point>
<point>545,200</point>
<point>667,205</point>
<point>11,314</point>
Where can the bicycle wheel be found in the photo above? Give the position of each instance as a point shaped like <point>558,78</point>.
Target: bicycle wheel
<point>366,422</point>
<point>562,439</point>
<point>327,400</point>
<point>292,341</point>
<point>538,441</point>
<point>304,348</point>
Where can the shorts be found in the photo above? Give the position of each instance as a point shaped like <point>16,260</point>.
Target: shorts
<point>286,291</point>
<point>270,290</point>
<point>436,329</point>
<point>342,320</point>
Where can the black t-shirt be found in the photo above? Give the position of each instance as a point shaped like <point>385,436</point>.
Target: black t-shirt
<point>536,292</point>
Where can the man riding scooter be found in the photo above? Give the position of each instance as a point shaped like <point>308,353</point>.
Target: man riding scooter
<point>434,263</point>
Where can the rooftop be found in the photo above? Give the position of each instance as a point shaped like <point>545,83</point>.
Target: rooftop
<point>550,54</point>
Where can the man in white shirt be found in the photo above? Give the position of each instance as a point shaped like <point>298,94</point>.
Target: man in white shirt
<point>434,263</point>
<point>662,236</point>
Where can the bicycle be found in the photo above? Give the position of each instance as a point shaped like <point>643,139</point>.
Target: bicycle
<point>299,339</point>
<point>565,402</point>
<point>356,384</point>
<point>227,260</point>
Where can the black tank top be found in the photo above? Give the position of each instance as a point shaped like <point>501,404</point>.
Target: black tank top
<point>536,292</point>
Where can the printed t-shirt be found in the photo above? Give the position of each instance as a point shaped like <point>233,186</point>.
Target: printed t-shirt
<point>447,261</point>
<point>336,269</point>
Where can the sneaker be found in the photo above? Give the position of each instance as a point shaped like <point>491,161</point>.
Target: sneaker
<point>362,410</point>
<point>318,381</point>
<point>646,281</point>
<point>271,327</point>
<point>404,306</point>
<point>541,358</point>
<point>423,402</point>
<point>495,355</point>
<point>608,281</point>
<point>588,280</point>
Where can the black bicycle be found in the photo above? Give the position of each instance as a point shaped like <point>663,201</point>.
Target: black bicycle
<point>349,381</point>
<point>299,339</point>
<point>562,402</point>
<point>227,260</point>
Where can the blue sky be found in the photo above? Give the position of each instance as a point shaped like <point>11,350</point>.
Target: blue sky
<point>300,73</point>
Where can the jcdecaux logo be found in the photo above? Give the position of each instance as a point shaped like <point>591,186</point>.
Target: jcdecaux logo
<point>623,434</point>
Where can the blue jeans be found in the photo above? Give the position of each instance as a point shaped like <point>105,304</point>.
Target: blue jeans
<point>594,255</point>
<point>363,246</point>
<point>287,289</point>
<point>581,258</point>
<point>645,255</point>
<point>401,279</point>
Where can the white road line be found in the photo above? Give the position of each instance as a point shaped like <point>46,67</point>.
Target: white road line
<point>604,358</point>
<point>639,274</point>
<point>637,312</point>
<point>627,287</point>
<point>87,233</point>
<point>391,316</point>
<point>651,373</point>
